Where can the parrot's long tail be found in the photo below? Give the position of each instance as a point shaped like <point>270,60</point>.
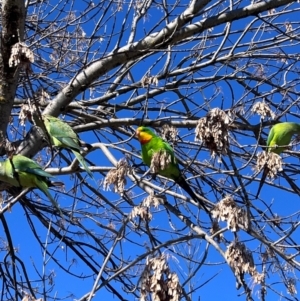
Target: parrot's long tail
<point>44,188</point>
<point>184,185</point>
<point>83,163</point>
<point>262,181</point>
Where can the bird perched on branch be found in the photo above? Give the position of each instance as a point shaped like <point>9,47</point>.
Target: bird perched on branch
<point>20,171</point>
<point>160,157</point>
<point>61,135</point>
<point>278,140</point>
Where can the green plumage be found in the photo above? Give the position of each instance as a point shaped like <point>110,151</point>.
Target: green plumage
<point>23,172</point>
<point>62,135</point>
<point>278,140</point>
<point>280,136</point>
<point>155,145</point>
<point>152,144</point>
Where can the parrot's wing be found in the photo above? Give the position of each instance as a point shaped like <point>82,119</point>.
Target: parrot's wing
<point>58,128</point>
<point>61,131</point>
<point>270,136</point>
<point>7,168</point>
<point>158,144</point>
<point>69,142</point>
<point>170,151</point>
<point>39,172</point>
<point>24,164</point>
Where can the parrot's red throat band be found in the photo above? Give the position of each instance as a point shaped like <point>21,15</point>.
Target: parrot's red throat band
<point>144,137</point>
<point>144,141</point>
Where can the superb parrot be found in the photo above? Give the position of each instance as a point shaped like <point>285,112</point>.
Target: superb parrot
<point>152,144</point>
<point>62,135</point>
<point>278,140</point>
<point>21,171</point>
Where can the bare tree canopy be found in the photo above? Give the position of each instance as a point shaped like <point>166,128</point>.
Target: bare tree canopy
<point>209,77</point>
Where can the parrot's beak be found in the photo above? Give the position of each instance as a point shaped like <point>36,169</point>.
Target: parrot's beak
<point>137,133</point>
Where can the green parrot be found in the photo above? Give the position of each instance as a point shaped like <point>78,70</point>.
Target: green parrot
<point>21,171</point>
<point>278,140</point>
<point>152,144</point>
<point>62,135</point>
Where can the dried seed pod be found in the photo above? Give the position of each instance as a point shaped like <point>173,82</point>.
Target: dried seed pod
<point>152,200</point>
<point>212,130</point>
<point>271,161</point>
<point>21,56</point>
<point>291,286</point>
<point>241,261</point>
<point>143,209</point>
<point>169,133</point>
<point>262,109</point>
<point>148,80</point>
<point>160,161</point>
<point>227,210</point>
<point>23,115</point>
<point>28,297</point>
<point>117,177</point>
<point>142,212</point>
<point>158,280</point>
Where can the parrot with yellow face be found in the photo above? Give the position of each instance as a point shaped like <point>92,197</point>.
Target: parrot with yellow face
<point>152,144</point>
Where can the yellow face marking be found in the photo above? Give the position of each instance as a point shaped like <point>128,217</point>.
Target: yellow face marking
<point>143,136</point>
